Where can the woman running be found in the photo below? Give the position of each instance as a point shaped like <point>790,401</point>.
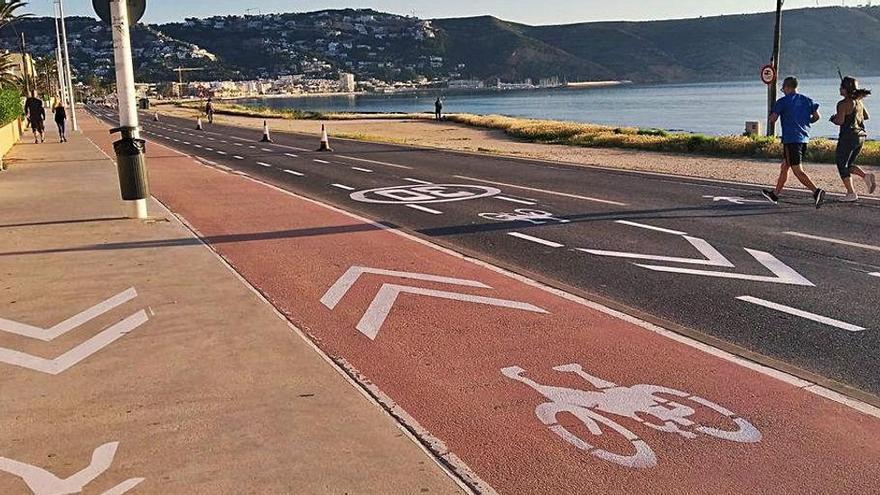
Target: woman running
<point>61,120</point>
<point>851,117</point>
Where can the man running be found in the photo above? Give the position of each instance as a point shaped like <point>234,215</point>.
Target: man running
<point>36,115</point>
<point>798,114</point>
<point>209,110</point>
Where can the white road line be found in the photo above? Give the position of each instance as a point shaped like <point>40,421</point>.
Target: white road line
<point>238,144</point>
<point>341,186</point>
<point>374,162</point>
<point>834,241</point>
<point>651,227</point>
<point>425,209</point>
<point>224,141</point>
<point>252,147</point>
<point>238,138</point>
<point>320,161</point>
<point>264,164</point>
<point>211,139</point>
<point>209,162</point>
<point>187,143</point>
<point>199,146</point>
<point>514,200</point>
<point>545,191</point>
<point>536,240</point>
<point>220,152</point>
<point>365,170</point>
<point>209,149</point>
<point>875,274</point>
<point>291,155</point>
<point>267,150</point>
<point>176,140</point>
<point>416,181</point>
<point>803,314</point>
<point>238,157</point>
<point>293,172</point>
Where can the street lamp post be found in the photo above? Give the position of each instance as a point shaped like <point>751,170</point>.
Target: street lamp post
<point>67,72</point>
<point>59,60</point>
<point>777,48</point>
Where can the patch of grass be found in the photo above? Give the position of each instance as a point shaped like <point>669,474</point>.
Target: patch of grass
<point>596,136</point>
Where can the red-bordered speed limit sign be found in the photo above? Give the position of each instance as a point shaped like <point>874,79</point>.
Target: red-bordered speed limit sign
<point>768,74</point>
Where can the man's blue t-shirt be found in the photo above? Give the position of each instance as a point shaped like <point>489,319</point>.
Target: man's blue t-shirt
<point>796,112</point>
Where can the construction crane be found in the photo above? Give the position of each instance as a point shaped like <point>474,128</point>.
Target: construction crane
<point>180,71</point>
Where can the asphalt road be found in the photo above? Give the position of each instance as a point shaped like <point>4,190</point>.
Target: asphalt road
<point>786,282</point>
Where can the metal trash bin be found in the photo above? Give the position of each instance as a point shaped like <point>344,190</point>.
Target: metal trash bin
<point>144,104</point>
<point>131,163</point>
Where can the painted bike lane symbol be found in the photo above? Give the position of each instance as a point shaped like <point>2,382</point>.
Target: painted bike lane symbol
<point>424,194</point>
<point>535,217</point>
<point>595,409</point>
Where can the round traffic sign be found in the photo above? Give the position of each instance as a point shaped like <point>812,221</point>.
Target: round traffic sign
<point>136,9</point>
<point>768,74</point>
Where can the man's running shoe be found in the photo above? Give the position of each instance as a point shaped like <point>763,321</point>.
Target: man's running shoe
<point>770,195</point>
<point>819,197</point>
<point>850,198</point>
<point>871,183</point>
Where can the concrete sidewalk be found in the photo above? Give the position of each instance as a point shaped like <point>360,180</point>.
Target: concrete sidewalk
<point>131,346</point>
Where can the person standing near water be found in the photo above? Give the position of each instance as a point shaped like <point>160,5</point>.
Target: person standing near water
<point>209,110</point>
<point>61,120</point>
<point>798,114</point>
<point>438,109</point>
<point>851,116</point>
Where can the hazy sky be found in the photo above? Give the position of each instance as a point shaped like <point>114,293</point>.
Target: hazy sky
<point>527,11</point>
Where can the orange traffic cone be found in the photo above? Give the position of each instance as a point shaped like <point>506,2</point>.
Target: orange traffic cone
<point>325,140</point>
<point>199,124</point>
<point>266,138</point>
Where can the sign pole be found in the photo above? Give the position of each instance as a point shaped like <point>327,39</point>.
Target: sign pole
<point>125,90</point>
<point>59,61</point>
<point>71,93</point>
<point>777,48</point>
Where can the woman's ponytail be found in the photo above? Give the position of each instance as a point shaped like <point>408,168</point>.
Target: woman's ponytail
<point>851,86</point>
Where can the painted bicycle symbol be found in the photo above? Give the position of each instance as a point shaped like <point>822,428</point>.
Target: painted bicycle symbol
<point>644,404</point>
<point>535,217</point>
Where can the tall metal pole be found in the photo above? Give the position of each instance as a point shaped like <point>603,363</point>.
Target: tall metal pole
<point>125,90</point>
<point>68,74</point>
<point>62,86</point>
<point>777,48</point>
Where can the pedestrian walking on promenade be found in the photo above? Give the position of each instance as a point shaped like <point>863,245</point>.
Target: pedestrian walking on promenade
<point>438,109</point>
<point>798,113</point>
<point>851,116</point>
<point>36,116</point>
<point>209,110</point>
<point>61,120</point>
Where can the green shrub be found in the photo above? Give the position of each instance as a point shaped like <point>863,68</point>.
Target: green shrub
<point>10,106</point>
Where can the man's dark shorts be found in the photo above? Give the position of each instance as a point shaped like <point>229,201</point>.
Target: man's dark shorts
<point>38,125</point>
<point>795,153</point>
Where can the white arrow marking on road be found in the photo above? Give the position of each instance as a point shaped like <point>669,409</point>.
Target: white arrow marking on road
<point>350,277</point>
<point>712,256</point>
<point>50,334</point>
<point>783,274</point>
<point>77,354</point>
<point>42,482</point>
<point>733,199</point>
<point>377,313</point>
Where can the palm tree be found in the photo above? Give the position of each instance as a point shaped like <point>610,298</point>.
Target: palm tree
<point>47,74</point>
<point>9,14</point>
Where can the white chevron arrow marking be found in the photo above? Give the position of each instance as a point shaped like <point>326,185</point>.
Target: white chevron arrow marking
<point>350,277</point>
<point>711,255</point>
<point>50,334</point>
<point>77,354</point>
<point>782,273</point>
<point>379,309</point>
<point>42,482</point>
<point>377,313</point>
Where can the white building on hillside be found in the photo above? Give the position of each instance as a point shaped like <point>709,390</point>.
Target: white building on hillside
<point>346,82</point>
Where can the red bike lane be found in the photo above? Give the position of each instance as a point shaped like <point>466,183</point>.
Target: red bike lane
<point>469,353</point>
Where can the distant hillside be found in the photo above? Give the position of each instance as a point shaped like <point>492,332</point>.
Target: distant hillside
<point>390,47</point>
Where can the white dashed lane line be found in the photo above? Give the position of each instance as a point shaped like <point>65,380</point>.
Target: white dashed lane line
<point>221,152</point>
<point>293,172</point>
<point>834,241</point>
<point>425,209</point>
<point>238,157</point>
<point>365,170</point>
<point>536,240</point>
<point>342,186</point>
<point>320,161</point>
<point>802,314</point>
<point>291,155</point>
<point>267,150</point>
<point>514,200</point>
<point>264,164</point>
<point>417,181</point>
<point>875,274</point>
